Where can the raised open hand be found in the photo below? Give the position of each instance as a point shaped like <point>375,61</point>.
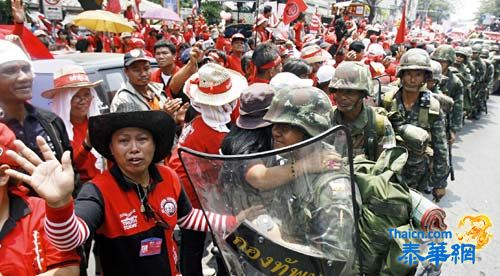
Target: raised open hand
<point>18,11</point>
<point>52,180</point>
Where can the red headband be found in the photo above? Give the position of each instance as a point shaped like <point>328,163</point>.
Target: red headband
<point>218,89</point>
<point>271,64</point>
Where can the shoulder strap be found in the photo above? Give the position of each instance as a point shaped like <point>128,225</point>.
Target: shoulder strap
<point>370,134</point>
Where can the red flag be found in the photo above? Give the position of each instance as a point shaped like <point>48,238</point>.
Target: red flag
<point>33,45</point>
<point>114,6</point>
<point>293,9</point>
<point>400,37</point>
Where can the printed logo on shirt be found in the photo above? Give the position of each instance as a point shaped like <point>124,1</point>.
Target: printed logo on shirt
<point>129,220</point>
<point>168,206</point>
<point>188,129</point>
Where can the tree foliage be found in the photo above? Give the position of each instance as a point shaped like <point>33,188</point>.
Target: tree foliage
<point>489,7</point>
<point>211,11</point>
<point>436,9</point>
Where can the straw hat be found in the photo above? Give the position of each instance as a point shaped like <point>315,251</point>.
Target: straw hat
<point>314,53</point>
<point>215,85</point>
<point>71,76</point>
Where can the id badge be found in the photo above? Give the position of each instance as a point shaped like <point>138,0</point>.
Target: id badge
<point>150,247</point>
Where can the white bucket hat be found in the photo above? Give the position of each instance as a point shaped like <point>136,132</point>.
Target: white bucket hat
<point>215,85</point>
<point>314,53</point>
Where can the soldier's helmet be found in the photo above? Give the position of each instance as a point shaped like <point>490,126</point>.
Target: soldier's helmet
<point>468,52</point>
<point>351,75</point>
<point>444,53</point>
<point>485,53</point>
<point>414,59</point>
<point>476,48</point>
<point>462,51</point>
<point>495,48</point>
<point>307,107</point>
<point>437,70</point>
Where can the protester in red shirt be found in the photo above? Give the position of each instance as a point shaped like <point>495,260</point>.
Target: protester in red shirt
<point>151,40</point>
<point>189,35</point>
<point>315,57</point>
<point>260,29</point>
<point>298,31</point>
<point>237,50</point>
<point>74,100</point>
<point>266,63</point>
<point>24,246</point>
<point>164,53</point>
<point>214,92</point>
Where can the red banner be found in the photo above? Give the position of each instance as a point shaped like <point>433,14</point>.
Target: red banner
<point>400,37</point>
<point>292,10</point>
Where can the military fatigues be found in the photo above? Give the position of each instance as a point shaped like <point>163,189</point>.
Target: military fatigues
<point>481,81</point>
<point>423,168</point>
<point>316,207</point>
<point>451,86</point>
<point>371,133</point>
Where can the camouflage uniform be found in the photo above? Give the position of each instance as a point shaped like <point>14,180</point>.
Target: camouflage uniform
<point>463,72</point>
<point>427,166</point>
<point>370,131</point>
<point>316,205</point>
<point>451,86</point>
<point>481,68</point>
<point>490,69</point>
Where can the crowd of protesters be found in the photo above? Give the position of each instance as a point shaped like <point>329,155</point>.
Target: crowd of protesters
<point>117,178</point>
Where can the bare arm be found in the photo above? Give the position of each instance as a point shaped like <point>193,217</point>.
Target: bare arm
<point>185,72</point>
<point>62,271</point>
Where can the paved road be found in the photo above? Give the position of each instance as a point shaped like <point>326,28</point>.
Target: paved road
<point>476,189</point>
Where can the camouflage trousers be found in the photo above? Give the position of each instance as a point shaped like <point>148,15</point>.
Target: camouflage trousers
<point>417,171</point>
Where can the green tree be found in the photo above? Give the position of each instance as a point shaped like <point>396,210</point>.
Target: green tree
<point>435,9</point>
<point>211,11</point>
<point>489,7</point>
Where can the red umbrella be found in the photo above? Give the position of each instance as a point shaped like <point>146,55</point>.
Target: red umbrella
<point>162,14</point>
<point>33,45</point>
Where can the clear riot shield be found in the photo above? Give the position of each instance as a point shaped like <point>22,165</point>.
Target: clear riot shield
<point>300,219</point>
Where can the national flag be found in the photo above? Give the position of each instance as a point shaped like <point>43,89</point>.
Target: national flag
<point>292,10</point>
<point>400,37</point>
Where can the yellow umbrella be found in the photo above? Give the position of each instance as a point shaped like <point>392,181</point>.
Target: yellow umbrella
<point>99,20</point>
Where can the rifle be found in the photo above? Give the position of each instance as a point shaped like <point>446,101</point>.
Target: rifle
<point>448,135</point>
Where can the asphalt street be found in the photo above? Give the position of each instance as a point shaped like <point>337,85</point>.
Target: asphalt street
<point>476,190</point>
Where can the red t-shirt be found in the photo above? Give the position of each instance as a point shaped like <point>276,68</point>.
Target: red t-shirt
<point>297,28</point>
<point>234,63</point>
<point>200,137</point>
<point>84,160</point>
<point>18,254</point>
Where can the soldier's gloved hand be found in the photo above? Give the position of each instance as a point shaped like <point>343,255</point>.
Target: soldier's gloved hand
<point>438,193</point>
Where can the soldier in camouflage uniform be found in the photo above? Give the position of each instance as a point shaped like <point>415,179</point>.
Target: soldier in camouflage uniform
<point>452,86</point>
<point>462,71</point>
<point>316,205</point>
<point>371,132</point>
<point>481,68</point>
<point>490,69</point>
<point>413,105</point>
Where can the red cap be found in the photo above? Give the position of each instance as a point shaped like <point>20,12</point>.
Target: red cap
<point>7,138</point>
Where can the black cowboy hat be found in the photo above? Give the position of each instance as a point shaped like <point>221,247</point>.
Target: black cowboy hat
<point>159,123</point>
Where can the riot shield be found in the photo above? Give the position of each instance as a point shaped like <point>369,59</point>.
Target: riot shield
<point>298,220</point>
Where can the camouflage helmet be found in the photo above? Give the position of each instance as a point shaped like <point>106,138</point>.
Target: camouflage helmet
<point>352,75</point>
<point>307,107</point>
<point>444,53</point>
<point>485,53</point>
<point>437,70</point>
<point>414,59</point>
<point>495,48</point>
<point>468,51</point>
<point>476,48</point>
<point>462,51</point>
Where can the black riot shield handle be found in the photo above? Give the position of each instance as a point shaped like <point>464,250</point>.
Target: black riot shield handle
<point>379,94</point>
